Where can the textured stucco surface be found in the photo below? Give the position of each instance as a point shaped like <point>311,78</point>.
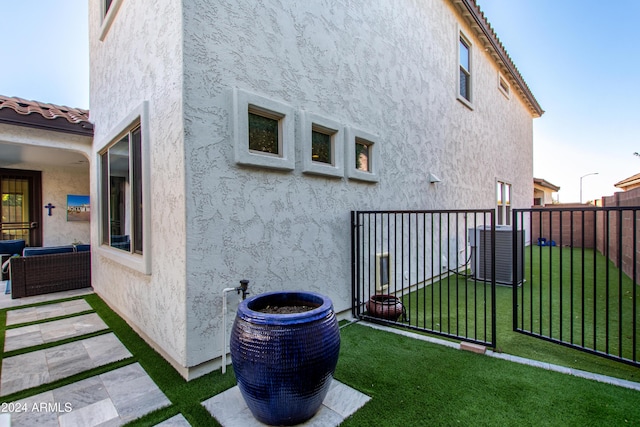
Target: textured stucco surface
<point>140,60</point>
<point>387,68</point>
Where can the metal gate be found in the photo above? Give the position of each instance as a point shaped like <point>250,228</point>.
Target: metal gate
<point>431,271</point>
<point>20,208</point>
<point>581,279</point>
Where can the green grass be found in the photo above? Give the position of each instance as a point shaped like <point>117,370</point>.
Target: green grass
<point>450,307</point>
<point>414,383</point>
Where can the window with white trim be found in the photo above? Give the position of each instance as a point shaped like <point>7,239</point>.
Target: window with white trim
<point>121,183</point>
<point>503,202</point>
<point>504,86</point>
<point>322,143</point>
<point>465,86</point>
<point>263,131</point>
<point>362,155</point>
<point>124,195</point>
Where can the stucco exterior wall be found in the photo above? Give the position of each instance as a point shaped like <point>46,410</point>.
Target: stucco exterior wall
<point>387,68</point>
<point>140,60</point>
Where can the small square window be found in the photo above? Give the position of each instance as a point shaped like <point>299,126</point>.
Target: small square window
<point>263,131</point>
<point>363,158</point>
<point>321,145</point>
<point>321,150</point>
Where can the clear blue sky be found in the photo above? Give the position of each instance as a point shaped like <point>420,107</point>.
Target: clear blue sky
<point>580,58</point>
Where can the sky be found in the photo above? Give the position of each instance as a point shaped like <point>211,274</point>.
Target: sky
<point>580,58</point>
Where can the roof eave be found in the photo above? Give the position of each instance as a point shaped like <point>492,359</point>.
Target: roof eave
<point>479,22</point>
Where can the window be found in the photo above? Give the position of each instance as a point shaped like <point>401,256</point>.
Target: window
<point>322,142</point>
<point>122,193</point>
<point>124,196</point>
<point>263,132</point>
<point>465,87</point>
<point>504,86</point>
<point>109,9</point>
<point>503,201</point>
<point>362,156</point>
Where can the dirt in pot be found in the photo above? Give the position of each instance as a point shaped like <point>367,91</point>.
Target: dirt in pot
<point>285,309</point>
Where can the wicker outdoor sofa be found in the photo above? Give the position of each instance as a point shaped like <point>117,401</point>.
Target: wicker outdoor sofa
<point>50,269</point>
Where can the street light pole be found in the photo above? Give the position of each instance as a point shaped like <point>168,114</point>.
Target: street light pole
<point>592,173</point>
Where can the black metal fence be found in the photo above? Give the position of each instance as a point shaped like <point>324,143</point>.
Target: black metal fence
<point>581,282</point>
<point>426,270</point>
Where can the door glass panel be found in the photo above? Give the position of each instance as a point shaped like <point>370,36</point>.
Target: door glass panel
<point>15,209</point>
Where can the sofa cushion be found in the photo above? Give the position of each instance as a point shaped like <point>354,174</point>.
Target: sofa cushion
<point>83,247</point>
<point>11,247</point>
<point>47,250</point>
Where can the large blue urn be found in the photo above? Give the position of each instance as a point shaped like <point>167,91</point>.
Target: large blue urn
<point>284,363</point>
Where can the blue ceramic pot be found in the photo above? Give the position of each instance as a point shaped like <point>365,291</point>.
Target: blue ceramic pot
<point>284,363</point>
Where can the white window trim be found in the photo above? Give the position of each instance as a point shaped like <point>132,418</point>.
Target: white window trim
<point>501,80</point>
<point>351,135</point>
<point>467,102</point>
<point>307,123</point>
<point>141,263</point>
<point>109,17</point>
<point>242,101</point>
<point>506,217</point>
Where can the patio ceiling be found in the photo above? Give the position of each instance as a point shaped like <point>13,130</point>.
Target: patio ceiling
<point>12,155</point>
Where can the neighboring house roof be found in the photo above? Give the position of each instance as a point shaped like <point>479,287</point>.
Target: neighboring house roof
<point>494,46</point>
<point>546,184</point>
<point>629,182</point>
<point>18,111</point>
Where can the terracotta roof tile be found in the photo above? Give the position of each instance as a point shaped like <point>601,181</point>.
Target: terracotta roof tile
<point>31,113</point>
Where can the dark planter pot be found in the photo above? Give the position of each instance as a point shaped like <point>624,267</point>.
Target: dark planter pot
<point>385,307</point>
<point>284,363</point>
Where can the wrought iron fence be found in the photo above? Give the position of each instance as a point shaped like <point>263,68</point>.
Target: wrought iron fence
<point>426,270</point>
<point>581,282</point>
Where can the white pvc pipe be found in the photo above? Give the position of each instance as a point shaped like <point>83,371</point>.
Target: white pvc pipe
<point>224,328</point>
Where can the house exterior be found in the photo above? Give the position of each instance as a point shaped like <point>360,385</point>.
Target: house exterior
<point>233,138</point>
<point>629,183</point>
<point>44,158</point>
<point>543,192</point>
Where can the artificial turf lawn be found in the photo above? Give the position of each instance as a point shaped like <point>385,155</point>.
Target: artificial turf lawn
<point>411,383</point>
<point>414,383</point>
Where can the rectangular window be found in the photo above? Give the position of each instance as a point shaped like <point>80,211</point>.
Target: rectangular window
<point>321,146</point>
<point>264,133</point>
<point>122,207</point>
<point>503,202</point>
<point>503,85</point>
<point>465,69</point>
<point>362,155</point>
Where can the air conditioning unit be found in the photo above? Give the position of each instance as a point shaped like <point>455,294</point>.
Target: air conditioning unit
<point>480,242</point>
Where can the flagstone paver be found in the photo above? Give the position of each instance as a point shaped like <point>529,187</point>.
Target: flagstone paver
<point>111,399</point>
<point>27,336</point>
<point>43,312</point>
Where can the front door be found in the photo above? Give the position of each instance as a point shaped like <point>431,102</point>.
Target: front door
<point>20,211</point>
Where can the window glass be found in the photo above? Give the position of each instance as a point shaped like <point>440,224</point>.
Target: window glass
<point>122,193</point>
<point>465,72</point>
<point>362,155</point>
<point>263,134</point>
<point>321,147</point>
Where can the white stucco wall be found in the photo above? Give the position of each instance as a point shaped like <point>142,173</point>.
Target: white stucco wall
<point>138,61</point>
<point>388,68</point>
